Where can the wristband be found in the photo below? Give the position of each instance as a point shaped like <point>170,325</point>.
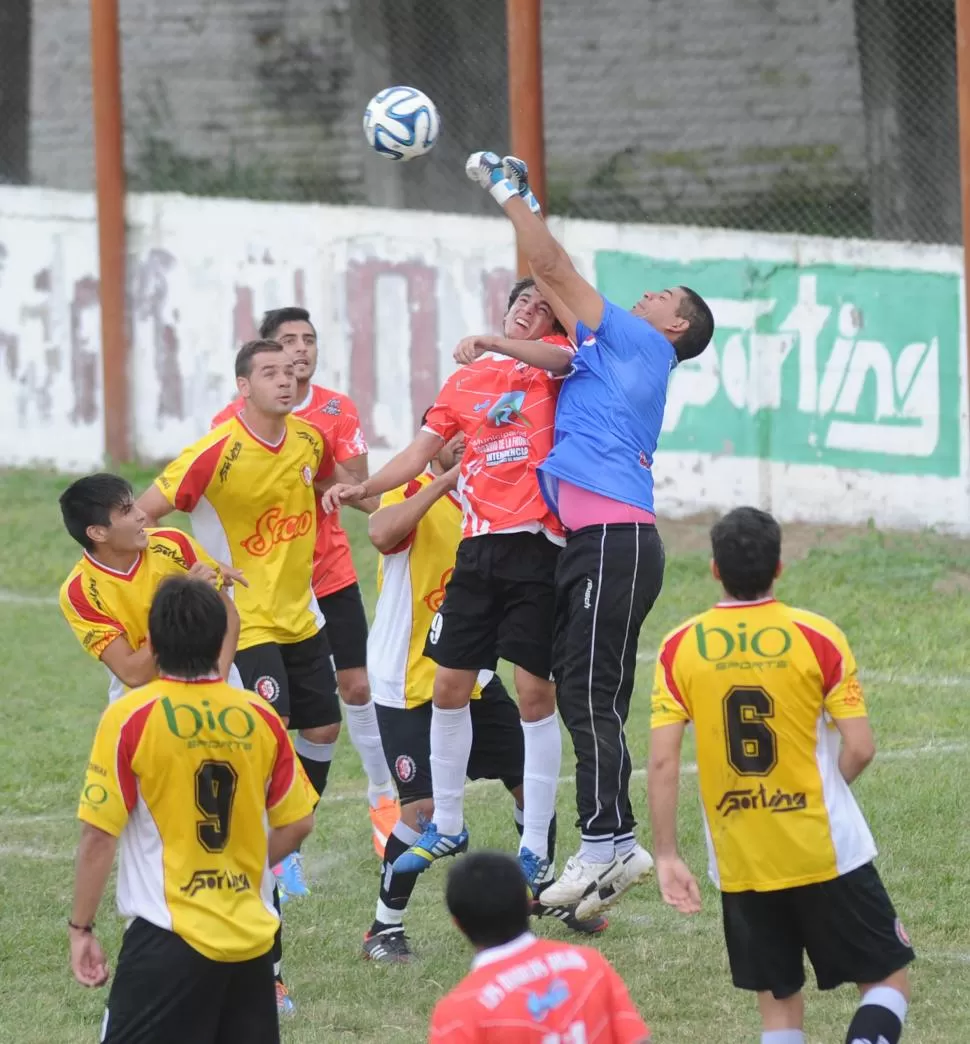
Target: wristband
<point>87,929</point>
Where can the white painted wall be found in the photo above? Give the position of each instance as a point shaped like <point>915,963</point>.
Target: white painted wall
<point>836,389</point>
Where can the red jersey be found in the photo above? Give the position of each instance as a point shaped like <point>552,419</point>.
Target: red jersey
<point>507,410</point>
<point>335,417</point>
<point>538,991</point>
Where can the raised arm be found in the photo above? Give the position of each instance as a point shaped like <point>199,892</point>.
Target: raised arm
<point>541,354</point>
<point>391,525</point>
<point>155,505</point>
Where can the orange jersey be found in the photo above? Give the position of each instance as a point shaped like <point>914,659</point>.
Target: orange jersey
<point>762,683</point>
<point>103,604</point>
<point>190,776</point>
<point>507,411</point>
<point>538,991</point>
<point>254,505</point>
<point>335,417</point>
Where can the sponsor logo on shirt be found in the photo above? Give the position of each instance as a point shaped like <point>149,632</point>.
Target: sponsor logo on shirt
<point>757,799</point>
<point>505,450</point>
<point>215,880</point>
<point>273,527</point>
<point>437,596</point>
<point>507,410</point>
<point>170,552</point>
<point>644,460</point>
<point>483,405</point>
<point>540,1004</point>
<point>718,643</point>
<point>94,795</point>
<point>185,720</point>
<point>229,459</point>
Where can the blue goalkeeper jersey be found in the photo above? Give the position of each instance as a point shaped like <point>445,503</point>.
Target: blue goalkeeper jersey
<point>610,411</point>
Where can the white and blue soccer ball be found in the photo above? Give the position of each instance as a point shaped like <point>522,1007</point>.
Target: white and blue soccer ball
<point>401,123</point>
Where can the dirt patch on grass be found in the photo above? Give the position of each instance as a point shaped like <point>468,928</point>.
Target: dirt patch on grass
<point>693,535</point>
<point>953,583</point>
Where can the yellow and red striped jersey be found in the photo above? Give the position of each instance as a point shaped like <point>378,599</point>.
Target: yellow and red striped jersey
<point>411,580</point>
<point>762,683</point>
<point>191,776</point>
<point>102,604</point>
<point>254,505</point>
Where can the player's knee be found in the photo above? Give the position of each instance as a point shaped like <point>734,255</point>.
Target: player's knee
<point>414,813</point>
<point>322,733</point>
<point>452,688</point>
<point>898,981</point>
<point>354,687</point>
<point>537,696</point>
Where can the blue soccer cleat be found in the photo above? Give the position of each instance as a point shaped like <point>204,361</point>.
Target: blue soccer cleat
<point>430,846</point>
<point>292,878</point>
<point>535,868</point>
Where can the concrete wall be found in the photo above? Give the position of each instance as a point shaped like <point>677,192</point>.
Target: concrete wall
<point>836,389</point>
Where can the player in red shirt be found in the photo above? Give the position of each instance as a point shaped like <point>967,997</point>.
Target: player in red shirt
<point>524,990</point>
<point>335,586</point>
<point>499,600</point>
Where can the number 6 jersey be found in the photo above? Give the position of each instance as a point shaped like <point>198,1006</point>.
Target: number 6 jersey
<point>191,776</point>
<point>762,683</point>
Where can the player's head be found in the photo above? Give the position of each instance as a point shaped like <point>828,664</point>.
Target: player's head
<point>747,553</point>
<point>488,897</point>
<point>681,315</point>
<point>187,625</point>
<point>529,315</point>
<point>293,329</point>
<point>265,377</point>
<point>99,511</point>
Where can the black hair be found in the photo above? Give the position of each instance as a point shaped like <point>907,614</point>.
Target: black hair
<point>518,288</point>
<point>89,502</point>
<point>245,355</point>
<point>187,625</point>
<point>700,325</point>
<point>276,317</point>
<point>747,549</point>
<point>489,898</point>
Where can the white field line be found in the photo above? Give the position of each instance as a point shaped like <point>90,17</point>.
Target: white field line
<point>16,598</point>
<point>688,768</point>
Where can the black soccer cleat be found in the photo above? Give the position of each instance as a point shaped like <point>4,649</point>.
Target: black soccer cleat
<point>388,947</point>
<point>567,914</point>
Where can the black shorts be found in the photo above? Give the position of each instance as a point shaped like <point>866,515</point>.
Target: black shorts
<point>847,926</point>
<point>498,750</point>
<point>164,990</point>
<point>499,603</point>
<point>297,679</point>
<point>346,626</point>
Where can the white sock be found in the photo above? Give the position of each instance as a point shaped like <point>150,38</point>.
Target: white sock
<point>624,843</point>
<point>785,1036</point>
<point>543,758</point>
<point>451,746</point>
<point>366,738</point>
<point>597,850</point>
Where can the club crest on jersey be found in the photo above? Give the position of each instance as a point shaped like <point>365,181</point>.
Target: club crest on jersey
<point>268,687</point>
<point>404,768</point>
<point>307,475</point>
<point>332,408</point>
<point>644,460</point>
<point>507,410</point>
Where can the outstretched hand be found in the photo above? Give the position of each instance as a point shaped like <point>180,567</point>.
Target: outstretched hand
<point>678,886</point>
<point>341,493</point>
<point>471,348</point>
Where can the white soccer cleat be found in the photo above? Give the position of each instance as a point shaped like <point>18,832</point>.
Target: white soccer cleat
<point>578,880</point>
<point>634,866</point>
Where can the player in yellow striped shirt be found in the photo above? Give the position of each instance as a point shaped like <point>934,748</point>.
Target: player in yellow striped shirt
<point>781,730</point>
<point>106,596</point>
<point>198,785</point>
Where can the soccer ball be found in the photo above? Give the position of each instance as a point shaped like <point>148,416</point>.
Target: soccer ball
<point>401,123</point>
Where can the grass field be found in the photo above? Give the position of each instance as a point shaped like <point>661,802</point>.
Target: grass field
<point>904,601</point>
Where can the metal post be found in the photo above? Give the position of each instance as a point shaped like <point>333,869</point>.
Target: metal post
<point>110,172</point>
<point>524,29</point>
<point>963,107</point>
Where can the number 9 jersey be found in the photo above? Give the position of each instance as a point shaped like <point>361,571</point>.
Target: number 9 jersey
<point>762,684</point>
<point>191,776</point>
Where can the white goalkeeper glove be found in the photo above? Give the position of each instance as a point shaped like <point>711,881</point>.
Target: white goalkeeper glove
<point>517,172</point>
<point>486,169</point>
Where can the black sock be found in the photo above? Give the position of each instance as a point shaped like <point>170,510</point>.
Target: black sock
<point>396,889</point>
<point>277,951</point>
<point>317,771</point>
<point>878,1018</point>
<point>552,834</point>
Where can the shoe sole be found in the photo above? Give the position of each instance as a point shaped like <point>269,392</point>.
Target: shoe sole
<point>573,900</point>
<point>567,915</point>
<point>607,894</point>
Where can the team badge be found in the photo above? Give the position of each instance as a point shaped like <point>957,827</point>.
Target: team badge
<point>404,768</point>
<point>268,687</point>
<point>332,408</point>
<point>307,475</point>
<point>901,934</point>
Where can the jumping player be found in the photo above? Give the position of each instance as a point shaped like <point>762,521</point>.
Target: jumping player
<point>107,595</point>
<point>250,488</point>
<point>598,480</point>
<point>334,580</point>
<point>499,600</point>
<point>417,529</point>
<point>524,990</point>
<point>770,691</point>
